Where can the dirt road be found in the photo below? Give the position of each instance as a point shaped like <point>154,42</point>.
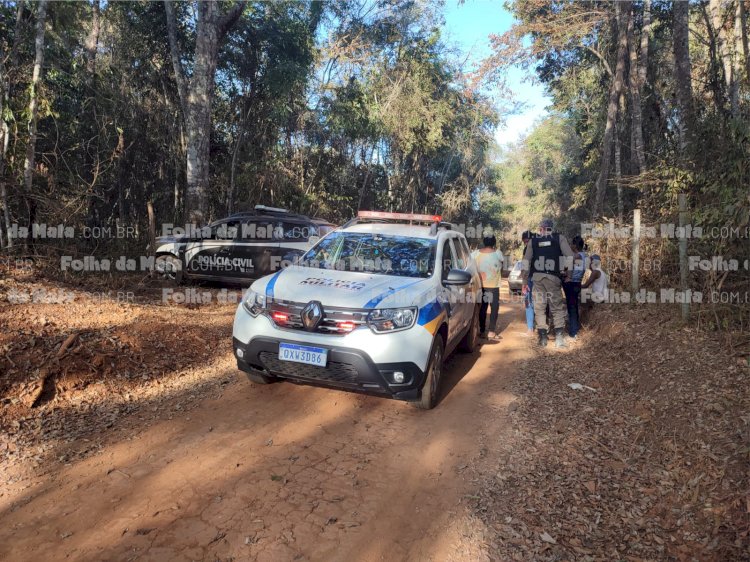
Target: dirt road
<point>282,472</point>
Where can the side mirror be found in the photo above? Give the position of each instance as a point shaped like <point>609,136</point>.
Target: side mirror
<point>457,277</point>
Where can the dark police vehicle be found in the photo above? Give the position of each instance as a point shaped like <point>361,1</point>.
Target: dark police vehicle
<point>244,246</point>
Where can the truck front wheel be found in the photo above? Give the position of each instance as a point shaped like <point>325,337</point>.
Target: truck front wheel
<point>431,388</point>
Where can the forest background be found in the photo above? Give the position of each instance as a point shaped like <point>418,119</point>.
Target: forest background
<point>202,109</point>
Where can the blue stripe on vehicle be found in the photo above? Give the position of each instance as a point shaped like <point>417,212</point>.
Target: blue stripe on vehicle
<point>271,284</point>
<point>375,301</point>
<point>429,312</point>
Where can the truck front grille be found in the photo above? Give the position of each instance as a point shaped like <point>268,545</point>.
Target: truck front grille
<point>334,372</point>
<point>336,320</point>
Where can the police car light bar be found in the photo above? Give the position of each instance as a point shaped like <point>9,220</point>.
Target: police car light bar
<point>399,216</point>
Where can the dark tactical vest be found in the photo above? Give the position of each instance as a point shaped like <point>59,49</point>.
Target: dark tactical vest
<point>547,254</point>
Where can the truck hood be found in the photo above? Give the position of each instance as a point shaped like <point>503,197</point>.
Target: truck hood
<point>343,288</point>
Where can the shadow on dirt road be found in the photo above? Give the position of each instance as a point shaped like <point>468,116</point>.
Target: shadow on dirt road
<point>282,472</point>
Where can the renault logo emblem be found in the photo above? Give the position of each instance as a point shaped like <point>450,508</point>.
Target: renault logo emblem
<point>312,314</point>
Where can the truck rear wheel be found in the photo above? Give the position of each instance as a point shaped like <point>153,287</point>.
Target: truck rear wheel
<point>168,267</point>
<point>471,338</point>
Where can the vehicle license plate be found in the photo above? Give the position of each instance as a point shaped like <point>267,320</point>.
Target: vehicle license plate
<point>303,354</point>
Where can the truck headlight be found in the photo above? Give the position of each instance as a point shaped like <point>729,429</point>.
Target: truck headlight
<point>384,320</point>
<point>254,303</point>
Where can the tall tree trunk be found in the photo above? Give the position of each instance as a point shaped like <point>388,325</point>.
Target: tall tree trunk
<point>745,48</point>
<point>200,95</point>
<point>682,69</point>
<point>177,211</point>
<point>618,157</point>
<point>233,165</point>
<point>645,38</point>
<point>614,98</point>
<point>636,123</point>
<point>174,51</point>
<point>714,72</point>
<point>4,140</point>
<point>368,166</point>
<point>736,61</point>
<point>196,95</point>
<point>92,41</point>
<point>5,85</point>
<point>30,160</point>
<point>718,19</point>
<point>89,165</point>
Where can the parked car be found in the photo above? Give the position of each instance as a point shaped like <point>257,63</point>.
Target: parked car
<point>515,280</point>
<point>244,246</point>
<point>374,307</point>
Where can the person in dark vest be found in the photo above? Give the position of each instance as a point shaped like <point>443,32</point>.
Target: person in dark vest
<point>546,259</point>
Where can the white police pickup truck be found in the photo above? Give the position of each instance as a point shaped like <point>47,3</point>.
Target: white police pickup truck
<point>373,307</point>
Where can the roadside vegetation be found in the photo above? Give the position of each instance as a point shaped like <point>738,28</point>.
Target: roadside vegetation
<point>199,110</point>
<point>120,119</point>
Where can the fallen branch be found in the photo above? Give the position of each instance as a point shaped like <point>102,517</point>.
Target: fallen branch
<point>66,344</point>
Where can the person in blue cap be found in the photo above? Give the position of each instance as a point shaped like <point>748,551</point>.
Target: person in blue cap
<point>548,256</point>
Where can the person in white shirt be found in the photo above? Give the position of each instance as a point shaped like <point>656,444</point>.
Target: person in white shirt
<point>489,262</point>
<point>596,287</point>
<point>597,280</point>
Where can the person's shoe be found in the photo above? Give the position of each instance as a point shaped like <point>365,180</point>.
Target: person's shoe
<point>491,336</point>
<point>483,335</point>
<point>560,338</point>
<point>542,337</point>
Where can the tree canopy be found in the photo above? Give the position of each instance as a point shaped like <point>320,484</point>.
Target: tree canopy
<point>204,109</point>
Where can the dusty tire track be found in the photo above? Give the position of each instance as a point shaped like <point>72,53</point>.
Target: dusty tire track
<point>282,472</point>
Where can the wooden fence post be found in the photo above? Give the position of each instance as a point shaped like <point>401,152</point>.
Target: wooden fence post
<point>636,250</point>
<point>682,200</point>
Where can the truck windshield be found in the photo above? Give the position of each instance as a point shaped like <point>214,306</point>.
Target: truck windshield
<point>373,253</point>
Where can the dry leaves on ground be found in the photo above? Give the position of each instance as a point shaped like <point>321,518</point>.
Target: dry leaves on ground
<point>650,462</point>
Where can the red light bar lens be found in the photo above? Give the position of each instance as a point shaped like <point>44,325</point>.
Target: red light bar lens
<point>280,317</point>
<point>399,216</point>
<point>346,326</point>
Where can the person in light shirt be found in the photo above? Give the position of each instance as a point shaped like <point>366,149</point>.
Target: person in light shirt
<point>596,287</point>
<point>489,262</point>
